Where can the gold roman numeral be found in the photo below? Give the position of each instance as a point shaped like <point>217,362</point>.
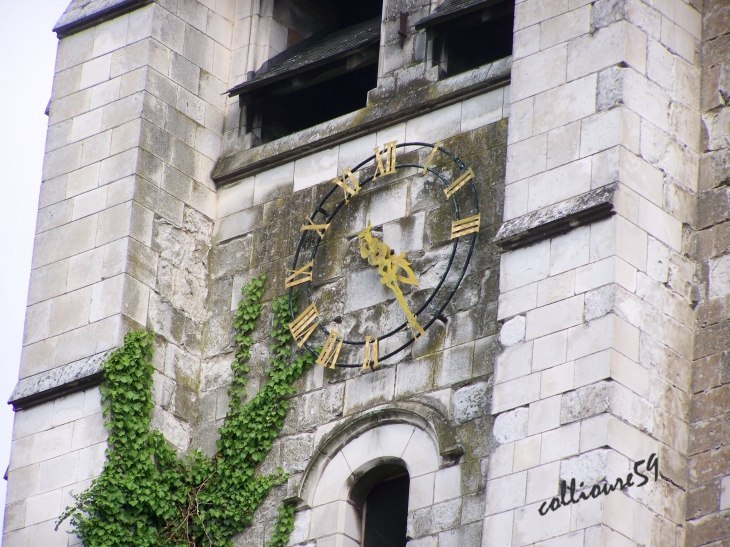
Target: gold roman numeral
<point>465,226</point>
<point>330,351</point>
<point>295,279</point>
<point>303,326</point>
<point>458,183</point>
<point>348,183</point>
<point>320,228</point>
<point>370,356</point>
<point>430,157</point>
<point>389,167</point>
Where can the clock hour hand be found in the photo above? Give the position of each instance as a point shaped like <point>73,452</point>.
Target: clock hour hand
<point>380,255</point>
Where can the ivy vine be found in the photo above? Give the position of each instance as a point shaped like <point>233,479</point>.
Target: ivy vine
<point>146,496</point>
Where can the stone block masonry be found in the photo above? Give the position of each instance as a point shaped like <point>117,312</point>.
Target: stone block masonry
<point>590,330</point>
<point>449,369</point>
<point>58,447</point>
<point>708,498</point>
<point>124,227</point>
<point>133,233</point>
<point>598,324</point>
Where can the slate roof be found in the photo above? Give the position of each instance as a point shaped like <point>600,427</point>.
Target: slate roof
<point>333,46</point>
<point>450,9</point>
<point>81,14</point>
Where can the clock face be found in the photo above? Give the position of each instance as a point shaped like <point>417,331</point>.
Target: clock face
<point>398,295</point>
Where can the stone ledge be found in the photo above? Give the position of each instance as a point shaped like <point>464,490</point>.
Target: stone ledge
<point>82,14</point>
<point>556,219</point>
<point>389,108</point>
<point>57,382</point>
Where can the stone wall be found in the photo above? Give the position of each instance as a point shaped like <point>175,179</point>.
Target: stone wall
<point>708,496</point>
<point>597,323</point>
<point>133,233</point>
<point>124,228</point>
<point>58,447</point>
<point>594,340</point>
<point>450,367</point>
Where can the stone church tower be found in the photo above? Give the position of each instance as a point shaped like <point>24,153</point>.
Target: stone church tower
<point>556,204</point>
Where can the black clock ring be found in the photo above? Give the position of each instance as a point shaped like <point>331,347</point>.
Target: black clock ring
<point>329,215</point>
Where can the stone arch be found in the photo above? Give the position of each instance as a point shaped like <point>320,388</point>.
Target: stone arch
<point>414,435</point>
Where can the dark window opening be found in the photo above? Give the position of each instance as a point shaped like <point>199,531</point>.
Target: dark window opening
<point>382,496</point>
<point>327,69</point>
<point>466,34</point>
<point>386,514</point>
<point>304,18</point>
<point>313,98</point>
<point>351,12</point>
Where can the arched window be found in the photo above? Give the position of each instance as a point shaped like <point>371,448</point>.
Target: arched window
<point>370,471</point>
<point>381,498</point>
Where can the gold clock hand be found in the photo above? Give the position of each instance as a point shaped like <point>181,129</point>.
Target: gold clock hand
<point>403,304</point>
<point>380,255</point>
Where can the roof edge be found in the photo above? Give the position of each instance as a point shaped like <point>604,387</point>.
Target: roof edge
<point>93,19</point>
<point>247,87</point>
<point>267,75</point>
<point>437,18</point>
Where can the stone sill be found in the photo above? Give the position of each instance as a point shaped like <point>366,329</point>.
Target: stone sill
<point>57,382</point>
<point>556,219</point>
<point>390,109</point>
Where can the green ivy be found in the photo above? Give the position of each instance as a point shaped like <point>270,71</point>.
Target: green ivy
<point>146,495</point>
<point>283,526</point>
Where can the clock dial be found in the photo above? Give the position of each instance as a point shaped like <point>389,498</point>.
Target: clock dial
<point>417,305</point>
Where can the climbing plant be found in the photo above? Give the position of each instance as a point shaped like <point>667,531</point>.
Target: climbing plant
<point>146,495</point>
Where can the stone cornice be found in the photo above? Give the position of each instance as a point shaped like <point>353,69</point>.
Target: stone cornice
<point>79,15</point>
<point>556,219</point>
<point>57,382</point>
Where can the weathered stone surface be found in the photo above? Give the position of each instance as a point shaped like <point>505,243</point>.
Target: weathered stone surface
<point>703,531</point>
<point>710,403</point>
<point>434,519</point>
<point>230,257</point>
<point>368,390</point>
<point>511,426</point>
<point>702,501</point>
<point>58,381</point>
<point>470,402</point>
<point>556,219</point>
<point>473,508</point>
<point>709,434</point>
<point>513,331</point>
<point>610,86</point>
<point>320,407</point>
<point>584,402</point>
<point>466,536</point>
<point>183,264</point>
<point>606,12</point>
<point>598,303</point>
<point>589,468</point>
<point>296,452</point>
